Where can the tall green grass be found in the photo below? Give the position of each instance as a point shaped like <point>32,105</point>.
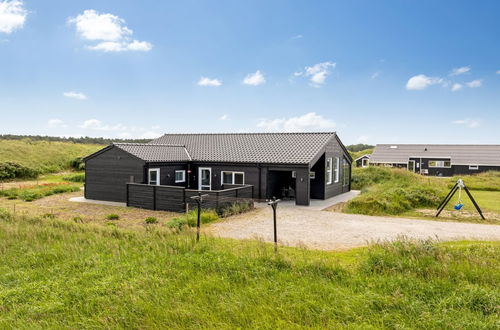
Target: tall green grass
<point>43,156</point>
<point>58,274</point>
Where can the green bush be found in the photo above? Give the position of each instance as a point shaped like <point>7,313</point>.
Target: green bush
<point>191,218</point>
<point>77,177</point>
<point>113,216</point>
<point>236,208</point>
<point>365,177</point>
<point>11,170</point>
<point>151,220</point>
<point>77,164</point>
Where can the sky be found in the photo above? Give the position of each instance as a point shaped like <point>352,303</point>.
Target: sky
<point>396,71</point>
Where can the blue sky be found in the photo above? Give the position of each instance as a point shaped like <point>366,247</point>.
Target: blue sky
<point>374,71</point>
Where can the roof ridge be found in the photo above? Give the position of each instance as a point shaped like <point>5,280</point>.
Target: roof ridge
<point>149,144</point>
<point>252,133</point>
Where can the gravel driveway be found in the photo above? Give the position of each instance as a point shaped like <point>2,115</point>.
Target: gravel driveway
<point>330,231</point>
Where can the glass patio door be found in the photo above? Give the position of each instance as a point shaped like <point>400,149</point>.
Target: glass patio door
<point>205,178</point>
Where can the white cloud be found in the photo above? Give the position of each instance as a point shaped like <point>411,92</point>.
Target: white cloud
<point>12,16</point>
<point>75,95</point>
<point>375,75</point>
<point>298,36</point>
<point>254,79</point>
<point>363,138</point>
<point>309,121</point>
<point>421,81</point>
<point>54,123</point>
<point>475,83</point>
<point>456,87</point>
<point>224,117</point>
<point>150,135</point>
<point>97,125</point>
<point>204,81</point>
<point>459,71</point>
<point>109,30</point>
<point>472,123</point>
<point>317,73</point>
<point>498,72</point>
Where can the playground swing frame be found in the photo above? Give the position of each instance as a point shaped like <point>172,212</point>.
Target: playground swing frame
<point>459,185</point>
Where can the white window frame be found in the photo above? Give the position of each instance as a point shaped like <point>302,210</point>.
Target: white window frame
<point>312,175</point>
<point>439,163</point>
<point>183,176</point>
<point>157,170</point>
<point>473,167</point>
<point>329,171</point>
<point>336,169</point>
<point>232,177</point>
<point>363,164</point>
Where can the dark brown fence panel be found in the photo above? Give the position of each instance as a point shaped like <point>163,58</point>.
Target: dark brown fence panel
<point>140,195</point>
<point>170,198</point>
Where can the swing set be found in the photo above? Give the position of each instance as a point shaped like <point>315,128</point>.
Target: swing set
<point>458,206</point>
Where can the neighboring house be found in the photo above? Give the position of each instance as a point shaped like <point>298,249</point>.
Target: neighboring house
<point>296,165</point>
<point>363,161</point>
<point>438,159</point>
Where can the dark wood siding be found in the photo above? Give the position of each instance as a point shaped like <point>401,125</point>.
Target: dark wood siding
<point>167,173</point>
<point>334,150</point>
<point>464,169</point>
<point>318,183</point>
<point>107,173</point>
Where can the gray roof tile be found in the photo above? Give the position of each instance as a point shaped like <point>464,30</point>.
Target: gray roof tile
<point>460,154</point>
<point>282,148</point>
<point>156,152</point>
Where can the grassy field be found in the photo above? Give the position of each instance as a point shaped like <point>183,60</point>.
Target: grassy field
<point>356,155</point>
<point>57,274</point>
<point>390,191</point>
<point>43,156</point>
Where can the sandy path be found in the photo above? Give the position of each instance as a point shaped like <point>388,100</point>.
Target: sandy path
<point>329,230</point>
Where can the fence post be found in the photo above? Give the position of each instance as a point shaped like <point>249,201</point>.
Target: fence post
<point>154,198</point>
<point>127,195</point>
<point>216,201</point>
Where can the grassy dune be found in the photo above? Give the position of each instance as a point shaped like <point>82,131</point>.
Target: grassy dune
<point>56,274</point>
<point>43,156</point>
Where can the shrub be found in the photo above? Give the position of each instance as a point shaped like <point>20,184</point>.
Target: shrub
<point>78,177</point>
<point>191,218</point>
<point>177,223</point>
<point>33,192</point>
<point>151,220</point>
<point>77,164</point>
<point>236,208</point>
<point>11,170</point>
<point>113,216</point>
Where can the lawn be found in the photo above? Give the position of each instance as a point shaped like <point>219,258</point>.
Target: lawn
<point>398,192</point>
<point>58,274</point>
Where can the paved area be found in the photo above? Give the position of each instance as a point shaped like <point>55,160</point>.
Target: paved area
<point>93,201</point>
<point>332,231</point>
<point>317,204</point>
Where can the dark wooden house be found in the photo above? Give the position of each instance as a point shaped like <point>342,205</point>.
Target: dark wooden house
<point>363,161</point>
<point>300,166</point>
<point>438,159</point>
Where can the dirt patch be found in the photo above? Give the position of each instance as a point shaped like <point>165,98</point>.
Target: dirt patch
<point>60,207</point>
<point>461,216</point>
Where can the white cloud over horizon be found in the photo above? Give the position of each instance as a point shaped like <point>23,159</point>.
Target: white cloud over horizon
<point>460,71</point>
<point>307,122</point>
<point>12,16</point>
<point>471,123</point>
<point>224,117</point>
<point>254,79</point>
<point>75,95</point>
<point>56,123</point>
<point>109,31</point>
<point>456,87</point>
<point>317,73</point>
<point>205,81</point>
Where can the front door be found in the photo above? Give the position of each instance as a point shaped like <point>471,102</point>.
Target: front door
<point>411,165</point>
<point>205,178</point>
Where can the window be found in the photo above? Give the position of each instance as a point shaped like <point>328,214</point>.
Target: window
<point>228,177</point>
<point>336,168</point>
<point>328,172</point>
<point>345,172</point>
<point>180,176</point>
<point>154,176</point>
<point>312,175</point>
<point>473,167</point>
<point>365,162</point>
<point>294,174</point>
<point>439,163</point>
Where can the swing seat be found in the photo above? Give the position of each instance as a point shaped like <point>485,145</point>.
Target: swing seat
<point>458,206</point>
